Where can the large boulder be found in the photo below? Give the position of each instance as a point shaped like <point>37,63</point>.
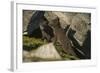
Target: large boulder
<point>81,23</point>
<point>65,18</point>
<point>26,56</point>
<point>50,15</point>
<point>45,52</point>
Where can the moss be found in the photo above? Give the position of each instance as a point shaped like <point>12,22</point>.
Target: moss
<point>30,43</point>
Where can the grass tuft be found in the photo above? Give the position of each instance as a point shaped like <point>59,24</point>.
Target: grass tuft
<point>30,43</point>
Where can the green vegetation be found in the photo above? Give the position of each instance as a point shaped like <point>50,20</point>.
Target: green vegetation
<point>30,43</point>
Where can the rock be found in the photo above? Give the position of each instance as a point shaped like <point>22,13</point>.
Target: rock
<point>80,23</point>
<point>26,18</point>
<point>65,18</point>
<point>47,31</point>
<point>50,15</point>
<point>60,36</point>
<point>26,56</point>
<point>35,21</point>
<point>47,52</point>
<point>43,53</point>
<point>36,24</point>
<point>87,45</point>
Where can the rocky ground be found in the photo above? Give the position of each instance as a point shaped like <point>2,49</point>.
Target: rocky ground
<point>38,44</point>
